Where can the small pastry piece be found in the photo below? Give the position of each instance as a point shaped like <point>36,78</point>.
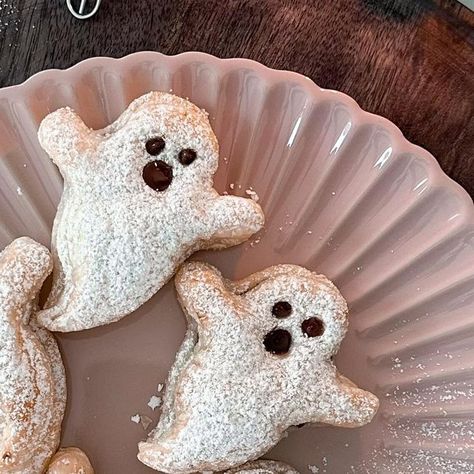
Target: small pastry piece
<point>256,360</point>
<point>70,461</point>
<point>263,467</point>
<point>138,200</point>
<point>32,379</point>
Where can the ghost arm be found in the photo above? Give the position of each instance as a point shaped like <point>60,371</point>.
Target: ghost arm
<point>64,136</point>
<point>350,406</point>
<point>202,293</point>
<point>232,220</point>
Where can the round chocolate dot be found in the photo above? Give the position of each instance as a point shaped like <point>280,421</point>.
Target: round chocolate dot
<point>313,327</point>
<point>277,341</point>
<point>186,156</point>
<point>281,309</point>
<point>158,175</point>
<point>155,146</point>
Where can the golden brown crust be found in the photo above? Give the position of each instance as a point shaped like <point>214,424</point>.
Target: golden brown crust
<point>263,466</point>
<point>32,384</point>
<point>70,461</point>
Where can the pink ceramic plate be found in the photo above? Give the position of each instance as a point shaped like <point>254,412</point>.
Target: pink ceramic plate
<point>344,193</point>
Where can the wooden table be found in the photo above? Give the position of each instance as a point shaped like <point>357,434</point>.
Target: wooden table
<point>409,60</point>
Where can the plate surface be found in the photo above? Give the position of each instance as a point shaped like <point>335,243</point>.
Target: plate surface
<point>344,194</point>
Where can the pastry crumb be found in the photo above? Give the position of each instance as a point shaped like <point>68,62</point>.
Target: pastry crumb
<point>145,421</point>
<point>135,418</point>
<point>252,194</point>
<point>155,402</point>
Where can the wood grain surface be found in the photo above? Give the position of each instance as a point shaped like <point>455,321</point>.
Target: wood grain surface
<point>411,61</point>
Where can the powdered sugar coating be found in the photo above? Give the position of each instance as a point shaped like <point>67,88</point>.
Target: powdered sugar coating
<point>32,379</point>
<point>116,241</point>
<point>227,399</point>
<point>263,467</point>
<point>70,461</point>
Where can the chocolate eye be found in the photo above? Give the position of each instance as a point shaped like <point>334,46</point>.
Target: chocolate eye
<point>281,309</point>
<point>155,146</point>
<point>158,175</point>
<point>277,341</point>
<point>186,156</point>
<point>313,327</point>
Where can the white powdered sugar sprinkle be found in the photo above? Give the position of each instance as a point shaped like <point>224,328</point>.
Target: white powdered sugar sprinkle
<point>32,380</point>
<point>128,229</point>
<point>224,379</point>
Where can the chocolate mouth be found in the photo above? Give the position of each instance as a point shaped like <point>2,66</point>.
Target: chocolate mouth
<point>158,175</point>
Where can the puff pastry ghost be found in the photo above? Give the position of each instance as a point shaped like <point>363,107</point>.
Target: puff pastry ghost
<point>263,467</point>
<point>32,379</point>
<point>137,201</point>
<point>256,360</point>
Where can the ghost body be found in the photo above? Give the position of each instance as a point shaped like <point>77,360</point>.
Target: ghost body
<point>138,200</point>
<point>256,360</point>
<point>32,378</point>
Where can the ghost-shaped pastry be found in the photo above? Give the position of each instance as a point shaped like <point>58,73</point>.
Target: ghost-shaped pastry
<point>32,379</point>
<point>263,467</point>
<point>256,360</point>
<point>70,461</point>
<point>32,376</point>
<point>138,200</point>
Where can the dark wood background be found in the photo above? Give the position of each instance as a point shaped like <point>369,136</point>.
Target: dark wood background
<point>409,60</point>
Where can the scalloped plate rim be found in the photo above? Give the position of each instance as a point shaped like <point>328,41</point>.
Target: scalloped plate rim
<point>271,77</point>
<point>437,175</point>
